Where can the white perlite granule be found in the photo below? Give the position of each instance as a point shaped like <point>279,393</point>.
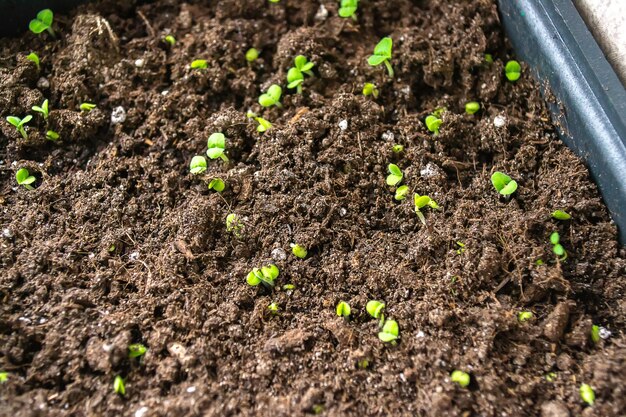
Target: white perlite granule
<point>499,121</point>
<point>343,125</point>
<point>118,115</point>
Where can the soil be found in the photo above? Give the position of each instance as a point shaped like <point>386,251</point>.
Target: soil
<point>119,244</point>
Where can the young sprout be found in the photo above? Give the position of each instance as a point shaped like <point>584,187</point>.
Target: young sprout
<point>503,183</point>
<point>118,385</point>
<point>34,58</point>
<point>561,215</point>
<point>551,376</point>
<point>433,122</point>
<point>298,251</point>
<point>395,175</point>
<point>23,177</point>
<point>587,394</point>
<point>289,287</point>
<point>348,8</point>
<point>389,332</point>
<point>264,125</point>
<point>271,97</point>
<point>557,248</point>
<point>274,1</point>
<point>461,378</point>
<point>87,107</point>
<point>382,55</point>
<point>43,109</point>
<point>595,333</point>
<point>375,309</point>
<point>217,184</point>
<point>197,165</point>
<point>252,54</point>
<point>42,22</point>
<point>472,107</point>
<point>401,193</point>
<point>3,377</point>
<point>370,89</point>
<point>489,58</point>
<point>512,70</point>
<point>20,124</point>
<point>461,248</point>
<point>523,316</point>
<point>343,309</point>
<point>363,364</point>
<point>273,307</point>
<point>266,276</point>
<point>199,64</point>
<point>217,146</point>
<point>234,224</point>
<point>52,135</point>
<point>170,39</point>
<point>136,350</point>
<point>422,201</point>
<point>397,148</point>
<point>295,75</point>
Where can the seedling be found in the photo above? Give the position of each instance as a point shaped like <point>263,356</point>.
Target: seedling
<point>370,89</point>
<point>401,193</point>
<point>34,58</point>
<point>271,97</point>
<point>343,309</point>
<point>136,350</point>
<point>298,251</point>
<point>395,175</point>
<point>363,364</point>
<point>389,332</point>
<point>52,135</point>
<point>513,70</point>
<point>199,64</point>
<point>197,165</point>
<point>375,309</point>
<point>273,308</point>
<point>348,8</point>
<point>4,376</point>
<point>43,109</point>
<point>289,287</point>
<point>587,394</point>
<point>503,183</point>
<point>264,125</point>
<point>20,124</point>
<point>118,386</point>
<point>252,54</point>
<point>422,201</point>
<point>489,58</point>
<point>266,276</point>
<point>461,248</point>
<point>595,333</point>
<point>524,316</point>
<point>472,107</point>
<point>461,378</point>
<point>551,376</point>
<point>274,1</point>
<point>433,122</point>
<point>234,225</point>
<point>217,184</point>
<point>170,39</point>
<point>397,148</point>
<point>382,55</point>
<point>217,147</point>
<point>557,248</point>
<point>561,215</point>
<point>295,75</point>
<point>42,22</point>
<point>23,177</point>
<point>87,107</point>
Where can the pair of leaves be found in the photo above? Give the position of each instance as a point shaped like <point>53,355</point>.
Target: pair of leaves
<point>266,276</point>
<point>433,123</point>
<point>17,122</point>
<point>503,183</point>
<point>382,52</point>
<point>348,8</point>
<point>197,165</point>
<point>513,70</point>
<point>44,110</point>
<point>271,97</point>
<point>23,177</point>
<point>217,146</point>
<point>42,22</point>
<point>389,331</point>
<point>395,175</point>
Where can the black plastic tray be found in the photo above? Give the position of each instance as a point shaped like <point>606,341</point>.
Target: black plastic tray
<point>551,37</point>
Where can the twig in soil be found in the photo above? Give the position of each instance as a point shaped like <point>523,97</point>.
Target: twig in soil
<point>102,21</point>
<point>147,23</point>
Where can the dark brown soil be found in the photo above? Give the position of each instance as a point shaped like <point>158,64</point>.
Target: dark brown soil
<point>119,244</point>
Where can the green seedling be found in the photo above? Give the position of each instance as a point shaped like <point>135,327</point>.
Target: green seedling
<point>397,148</point>
<point>136,350</point>
<point>561,215</point>
<point>363,364</point>
<point>87,107</point>
<point>34,58</point>
<point>234,225</point>
<point>52,135</point>
<point>289,287</point>
<point>513,70</point>
<point>298,251</point>
<point>43,109</point>
<point>348,8</point>
<point>23,177</point>
<point>503,183</point>
<point>595,333</point>
<point>461,248</point>
<point>539,262</point>
<point>461,378</point>
<point>295,75</point>
<point>217,184</point>
<point>273,308</point>
<point>266,276</point>
<point>271,97</point>
<point>375,309</point>
<point>472,107</point>
<point>395,175</point>
<point>389,332</point>
<point>489,58</point>
<point>557,248</point>
<point>370,89</point>
<point>199,64</point>
<point>382,55</point>
<point>401,193</point>
<point>118,386</point>
<point>524,316</point>
<point>433,123</point>
<point>274,1</point>
<point>170,39</point>
<point>252,55</point>
<point>4,376</point>
<point>197,165</point>
<point>42,22</point>
<point>217,146</point>
<point>264,125</point>
<point>343,309</point>
<point>551,376</point>
<point>422,201</point>
<point>20,124</point>
<point>587,394</point>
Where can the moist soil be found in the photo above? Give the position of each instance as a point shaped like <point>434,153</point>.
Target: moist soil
<point>119,244</point>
